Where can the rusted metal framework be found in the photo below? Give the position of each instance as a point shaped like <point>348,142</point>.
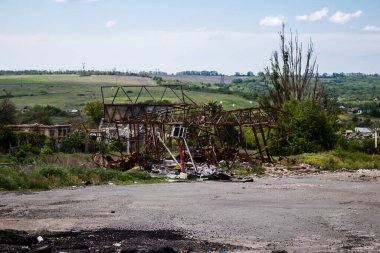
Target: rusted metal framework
<point>148,124</point>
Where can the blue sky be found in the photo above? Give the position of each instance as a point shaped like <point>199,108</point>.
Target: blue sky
<point>222,35</point>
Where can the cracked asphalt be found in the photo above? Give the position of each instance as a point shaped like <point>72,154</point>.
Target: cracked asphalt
<point>332,212</point>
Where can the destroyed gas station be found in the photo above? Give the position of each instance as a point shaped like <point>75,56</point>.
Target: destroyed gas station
<point>160,134</point>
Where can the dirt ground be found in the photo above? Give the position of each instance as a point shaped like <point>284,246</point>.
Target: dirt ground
<point>333,212</point>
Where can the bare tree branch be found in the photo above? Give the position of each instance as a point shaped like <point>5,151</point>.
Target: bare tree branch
<point>292,73</point>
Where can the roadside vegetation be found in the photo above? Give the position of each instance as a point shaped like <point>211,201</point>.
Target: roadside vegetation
<point>338,159</point>
<point>48,177</point>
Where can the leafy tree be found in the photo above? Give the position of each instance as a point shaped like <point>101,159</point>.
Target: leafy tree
<point>55,111</point>
<point>38,114</point>
<point>228,135</point>
<point>261,74</point>
<point>237,81</point>
<point>303,127</point>
<point>213,107</point>
<point>95,110</point>
<point>7,110</point>
<point>76,142</point>
<point>30,138</point>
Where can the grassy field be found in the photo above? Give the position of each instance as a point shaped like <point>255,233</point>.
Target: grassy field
<point>72,91</point>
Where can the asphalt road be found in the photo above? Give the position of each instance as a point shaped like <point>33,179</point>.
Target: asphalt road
<point>337,212</point>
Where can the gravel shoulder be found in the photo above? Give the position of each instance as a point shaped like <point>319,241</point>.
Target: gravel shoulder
<point>332,212</point>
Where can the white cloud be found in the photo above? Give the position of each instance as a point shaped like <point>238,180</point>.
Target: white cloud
<point>60,1</point>
<point>201,29</point>
<point>342,17</point>
<point>371,28</point>
<point>317,15</point>
<point>273,21</point>
<point>110,23</point>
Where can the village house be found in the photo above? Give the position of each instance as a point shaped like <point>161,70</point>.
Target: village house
<point>57,131</point>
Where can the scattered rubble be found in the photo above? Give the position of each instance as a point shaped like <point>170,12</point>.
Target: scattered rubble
<point>292,170</point>
<point>202,172</point>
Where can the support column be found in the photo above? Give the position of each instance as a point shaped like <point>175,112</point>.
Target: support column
<point>265,143</point>
<point>258,144</point>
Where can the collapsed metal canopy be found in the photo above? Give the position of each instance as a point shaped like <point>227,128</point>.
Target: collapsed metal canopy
<point>154,114</point>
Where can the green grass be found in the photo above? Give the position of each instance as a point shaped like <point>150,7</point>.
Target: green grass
<point>57,90</point>
<point>7,159</point>
<point>338,159</point>
<point>49,177</point>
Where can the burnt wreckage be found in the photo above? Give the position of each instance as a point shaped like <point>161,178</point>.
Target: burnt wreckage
<point>147,130</point>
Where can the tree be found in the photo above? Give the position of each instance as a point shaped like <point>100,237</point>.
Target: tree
<point>76,142</point>
<point>303,127</point>
<point>37,114</point>
<point>307,121</point>
<point>261,74</point>
<point>237,81</point>
<point>95,110</point>
<point>7,110</point>
<point>292,74</point>
<point>213,107</point>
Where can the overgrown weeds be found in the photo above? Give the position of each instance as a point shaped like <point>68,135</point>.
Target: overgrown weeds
<point>52,177</point>
<point>339,159</point>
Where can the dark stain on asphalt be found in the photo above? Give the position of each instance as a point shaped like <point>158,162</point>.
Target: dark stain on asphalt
<point>107,240</point>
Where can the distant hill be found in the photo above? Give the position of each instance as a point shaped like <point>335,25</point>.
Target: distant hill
<point>201,79</point>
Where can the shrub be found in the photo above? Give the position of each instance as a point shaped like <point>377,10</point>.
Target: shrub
<point>365,145</point>
<point>53,172</point>
<point>303,127</point>
<point>75,142</point>
<point>7,182</point>
<point>338,159</point>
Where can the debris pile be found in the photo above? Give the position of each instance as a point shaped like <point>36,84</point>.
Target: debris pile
<point>293,170</point>
<point>202,171</point>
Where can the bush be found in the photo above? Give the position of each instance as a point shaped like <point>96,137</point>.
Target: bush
<point>303,127</point>
<point>53,172</point>
<point>7,182</point>
<point>338,159</point>
<point>30,138</point>
<point>26,153</point>
<point>365,145</point>
<point>11,179</point>
<point>75,142</point>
